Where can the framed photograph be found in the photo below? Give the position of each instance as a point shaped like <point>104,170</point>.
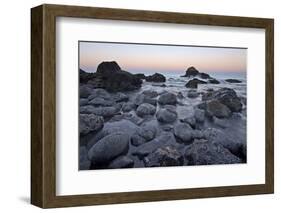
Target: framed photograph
<point>136,106</point>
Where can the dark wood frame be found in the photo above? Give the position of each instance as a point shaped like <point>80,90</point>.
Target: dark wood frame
<point>43,105</point>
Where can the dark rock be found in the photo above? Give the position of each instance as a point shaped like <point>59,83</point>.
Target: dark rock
<point>213,81</point>
<point>150,93</point>
<point>183,132</point>
<point>145,109</point>
<point>143,135</point>
<point>235,143</point>
<point>84,77</point>
<point>180,95</point>
<point>215,108</point>
<point>223,123</point>
<point>167,98</point>
<point>157,77</point>
<point>127,107</point>
<point>233,81</point>
<point>167,114</point>
<point>202,152</point>
<point>189,120</point>
<point>142,98</point>
<point>84,162</point>
<point>108,148</point>
<point>140,76</point>
<point>83,101</point>
<point>84,91</point>
<point>99,93</point>
<point>121,162</point>
<point>109,76</point>
<point>194,83</point>
<point>90,123</point>
<point>113,127</point>
<point>204,75</point>
<point>98,101</point>
<point>87,109</point>
<point>164,156</point>
<point>121,97</point>
<point>192,94</point>
<point>227,97</point>
<point>199,115</point>
<point>191,72</point>
<point>105,111</point>
<point>149,147</point>
<point>198,134</point>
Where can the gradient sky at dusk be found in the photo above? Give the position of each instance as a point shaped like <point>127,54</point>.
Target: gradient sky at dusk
<point>143,58</point>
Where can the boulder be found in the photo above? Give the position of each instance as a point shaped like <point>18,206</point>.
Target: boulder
<point>87,109</point>
<point>150,93</point>
<point>192,94</point>
<point>143,135</point>
<point>108,148</point>
<point>121,97</point>
<point>129,106</point>
<point>83,101</point>
<point>157,77</point>
<point>235,143</point>
<point>99,93</point>
<point>189,120</point>
<point>164,156</point>
<point>98,101</point>
<point>149,147</point>
<point>111,77</point>
<point>204,75</point>
<point>84,91</point>
<point>213,81</point>
<point>217,109</point>
<point>84,162</point>
<point>167,98</point>
<point>227,97</point>
<point>194,83</point>
<point>140,76</point>
<point>183,132</point>
<point>121,162</point>
<point>191,72</point>
<point>233,81</point>
<point>142,98</point>
<point>199,115</point>
<point>90,123</point>
<point>202,152</point>
<point>167,114</point>
<point>106,111</point>
<point>145,109</point>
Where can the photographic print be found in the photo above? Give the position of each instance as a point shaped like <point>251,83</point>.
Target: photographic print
<point>160,105</point>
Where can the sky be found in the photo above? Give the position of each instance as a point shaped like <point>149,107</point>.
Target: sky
<point>165,59</point>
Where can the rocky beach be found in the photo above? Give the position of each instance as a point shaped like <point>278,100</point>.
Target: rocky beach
<point>135,120</point>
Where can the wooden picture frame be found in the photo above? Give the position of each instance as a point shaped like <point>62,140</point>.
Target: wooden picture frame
<point>43,105</point>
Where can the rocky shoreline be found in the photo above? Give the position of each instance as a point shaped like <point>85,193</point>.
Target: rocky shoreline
<point>123,125</point>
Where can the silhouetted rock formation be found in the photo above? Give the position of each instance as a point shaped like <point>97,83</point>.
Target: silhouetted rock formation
<point>194,83</point>
<point>111,77</point>
<point>233,81</point>
<point>157,77</point>
<point>191,72</point>
<point>140,75</point>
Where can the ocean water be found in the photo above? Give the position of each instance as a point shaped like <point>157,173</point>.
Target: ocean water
<point>176,83</point>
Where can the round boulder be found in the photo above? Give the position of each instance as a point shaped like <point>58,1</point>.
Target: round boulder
<point>90,123</point>
<point>145,109</point>
<point>183,132</point>
<point>166,115</point>
<point>167,98</point>
<point>108,148</point>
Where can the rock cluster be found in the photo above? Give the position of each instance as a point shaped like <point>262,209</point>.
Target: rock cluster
<point>121,127</point>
